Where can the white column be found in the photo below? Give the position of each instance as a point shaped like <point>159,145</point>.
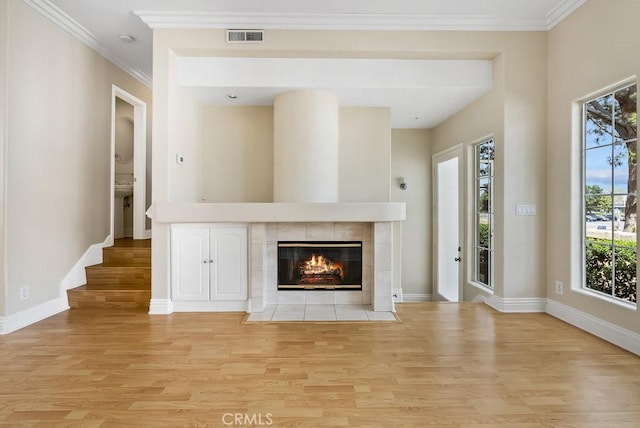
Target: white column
<point>382,295</point>
<point>305,147</point>
<point>258,293</point>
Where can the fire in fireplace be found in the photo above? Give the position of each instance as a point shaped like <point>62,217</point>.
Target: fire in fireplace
<point>320,265</point>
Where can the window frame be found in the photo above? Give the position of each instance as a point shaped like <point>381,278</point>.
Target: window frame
<point>477,177</point>
<point>584,239</point>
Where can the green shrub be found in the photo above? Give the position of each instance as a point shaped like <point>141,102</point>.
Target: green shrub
<point>483,235</point>
<point>599,268</point>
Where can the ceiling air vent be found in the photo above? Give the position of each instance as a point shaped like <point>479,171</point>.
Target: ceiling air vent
<point>245,36</point>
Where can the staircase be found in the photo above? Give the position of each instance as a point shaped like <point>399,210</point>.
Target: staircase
<point>123,280</point>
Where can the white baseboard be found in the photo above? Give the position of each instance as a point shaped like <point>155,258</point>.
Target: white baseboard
<point>231,306</point>
<point>417,297</point>
<point>160,307</point>
<point>518,304</point>
<point>480,298</point>
<point>605,330</point>
<point>74,278</point>
<point>147,234</point>
<point>617,335</point>
<point>77,275</point>
<point>22,319</point>
<point>256,304</point>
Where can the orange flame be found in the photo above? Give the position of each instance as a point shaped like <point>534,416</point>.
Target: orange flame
<point>320,265</point>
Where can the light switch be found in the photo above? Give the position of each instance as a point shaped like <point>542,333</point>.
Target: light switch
<point>525,209</point>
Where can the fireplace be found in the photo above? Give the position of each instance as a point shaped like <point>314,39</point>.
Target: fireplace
<point>326,265</point>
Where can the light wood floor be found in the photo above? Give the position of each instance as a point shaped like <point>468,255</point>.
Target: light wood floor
<point>444,365</point>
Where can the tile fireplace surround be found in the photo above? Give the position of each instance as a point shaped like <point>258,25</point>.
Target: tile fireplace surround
<point>377,264</point>
<point>268,223</point>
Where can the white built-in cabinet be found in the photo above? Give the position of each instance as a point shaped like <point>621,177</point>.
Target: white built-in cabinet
<point>209,264</point>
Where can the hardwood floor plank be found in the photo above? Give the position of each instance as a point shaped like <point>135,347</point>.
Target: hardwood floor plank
<point>461,365</point>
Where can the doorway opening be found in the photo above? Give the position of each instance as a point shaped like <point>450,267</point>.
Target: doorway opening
<point>448,230</point>
<point>128,166</point>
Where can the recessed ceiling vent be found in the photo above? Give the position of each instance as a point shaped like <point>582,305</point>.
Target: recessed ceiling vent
<point>245,36</point>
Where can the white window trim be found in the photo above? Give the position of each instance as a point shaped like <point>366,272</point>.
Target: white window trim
<point>489,288</point>
<point>579,227</point>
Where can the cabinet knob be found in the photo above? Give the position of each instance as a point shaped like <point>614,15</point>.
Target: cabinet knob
<point>210,261</point>
<point>204,261</point>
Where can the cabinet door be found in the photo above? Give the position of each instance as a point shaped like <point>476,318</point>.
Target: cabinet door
<point>190,264</point>
<point>228,263</point>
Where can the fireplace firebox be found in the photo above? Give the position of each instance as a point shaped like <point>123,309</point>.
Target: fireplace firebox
<point>326,265</point>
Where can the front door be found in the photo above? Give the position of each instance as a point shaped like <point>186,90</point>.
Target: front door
<point>447,168</point>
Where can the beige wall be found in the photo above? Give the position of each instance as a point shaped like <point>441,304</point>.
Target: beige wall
<point>518,94</point>
<point>238,154</point>
<point>58,155</point>
<point>185,139</point>
<point>524,166</point>
<point>306,146</point>
<point>594,48</point>
<point>4,27</point>
<point>365,154</point>
<point>483,118</point>
<point>411,158</point>
<point>513,112</point>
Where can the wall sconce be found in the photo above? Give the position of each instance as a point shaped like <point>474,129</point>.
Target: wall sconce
<point>403,183</point>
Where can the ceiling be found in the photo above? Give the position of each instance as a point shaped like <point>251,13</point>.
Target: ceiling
<point>99,23</point>
<point>419,93</point>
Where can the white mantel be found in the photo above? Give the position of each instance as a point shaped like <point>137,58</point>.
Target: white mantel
<point>277,212</point>
<point>371,222</point>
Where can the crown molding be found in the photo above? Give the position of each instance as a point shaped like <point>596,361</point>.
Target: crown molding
<point>561,11</point>
<point>64,21</point>
<point>338,21</point>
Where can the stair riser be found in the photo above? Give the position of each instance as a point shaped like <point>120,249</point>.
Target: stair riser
<point>127,256</point>
<point>122,281</point>
<point>138,299</point>
<point>118,275</point>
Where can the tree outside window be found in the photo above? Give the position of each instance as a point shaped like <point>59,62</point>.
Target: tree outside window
<point>610,193</point>
<point>483,201</point>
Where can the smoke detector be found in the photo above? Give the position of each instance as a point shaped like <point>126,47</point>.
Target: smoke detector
<point>126,38</point>
<point>245,36</point>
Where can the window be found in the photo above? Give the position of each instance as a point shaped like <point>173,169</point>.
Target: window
<point>483,213</point>
<point>610,148</point>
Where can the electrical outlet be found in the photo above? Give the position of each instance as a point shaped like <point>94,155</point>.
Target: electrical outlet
<point>559,288</point>
<point>179,159</point>
<point>24,293</point>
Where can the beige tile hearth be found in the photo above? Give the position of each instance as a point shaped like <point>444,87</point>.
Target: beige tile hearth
<point>315,313</point>
<point>288,313</point>
<point>319,313</point>
<point>351,313</point>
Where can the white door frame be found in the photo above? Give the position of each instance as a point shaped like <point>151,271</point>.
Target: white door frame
<point>139,161</point>
<point>450,153</point>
